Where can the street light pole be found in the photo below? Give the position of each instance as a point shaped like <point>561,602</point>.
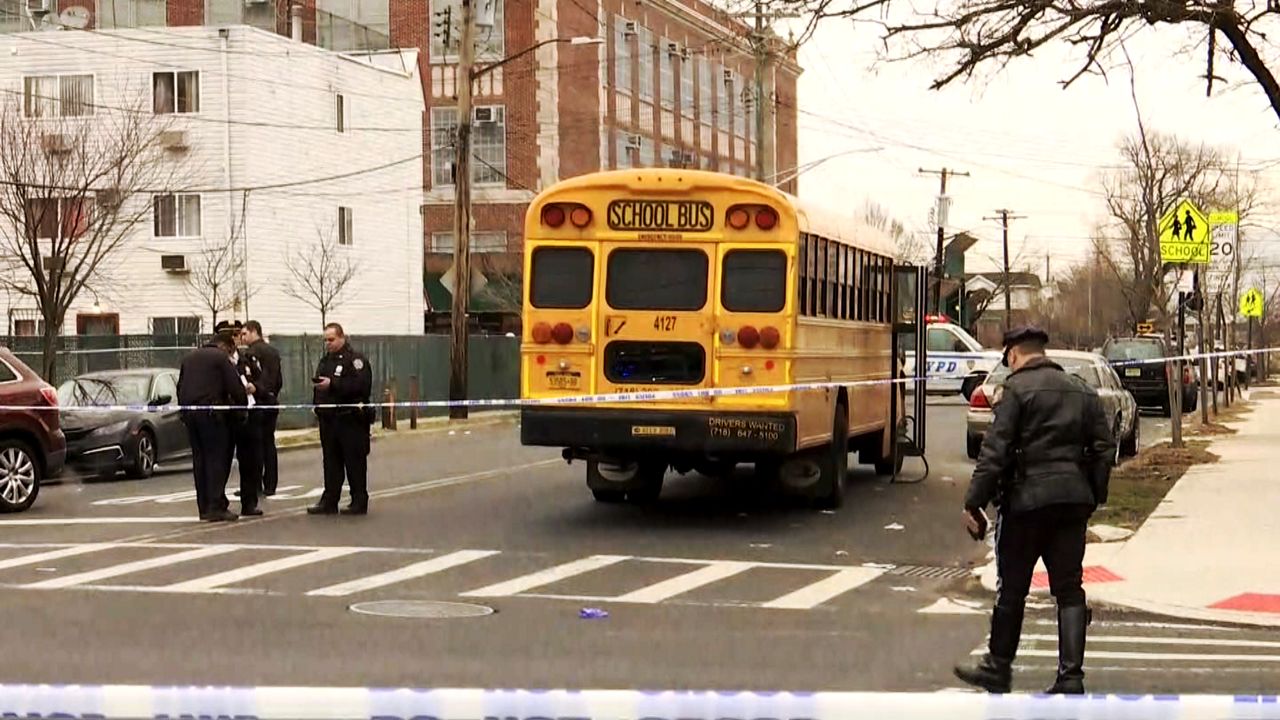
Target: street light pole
<point>467,75</point>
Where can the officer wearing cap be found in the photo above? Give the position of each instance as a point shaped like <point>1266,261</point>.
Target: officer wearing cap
<point>1044,463</point>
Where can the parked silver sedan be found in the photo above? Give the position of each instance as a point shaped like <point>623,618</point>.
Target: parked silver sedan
<point>1090,367</point>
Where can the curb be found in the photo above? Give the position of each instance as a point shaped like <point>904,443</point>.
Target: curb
<point>431,426</point>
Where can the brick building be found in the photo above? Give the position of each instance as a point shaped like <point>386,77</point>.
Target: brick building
<point>672,85</point>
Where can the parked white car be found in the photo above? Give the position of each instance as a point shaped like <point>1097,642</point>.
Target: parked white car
<point>956,361</point>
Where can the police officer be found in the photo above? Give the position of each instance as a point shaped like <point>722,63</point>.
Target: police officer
<point>343,377</point>
<point>207,378</point>
<point>247,434</point>
<point>268,386</point>
<point>1045,463</point>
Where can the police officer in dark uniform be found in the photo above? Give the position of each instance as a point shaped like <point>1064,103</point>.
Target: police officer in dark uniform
<point>1045,463</point>
<point>268,386</point>
<point>247,435</point>
<point>343,377</point>
<point>207,378</point>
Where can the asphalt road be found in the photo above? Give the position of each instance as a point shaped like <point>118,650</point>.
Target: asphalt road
<point>720,585</point>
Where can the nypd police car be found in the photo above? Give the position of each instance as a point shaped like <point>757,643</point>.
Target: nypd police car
<point>953,357</point>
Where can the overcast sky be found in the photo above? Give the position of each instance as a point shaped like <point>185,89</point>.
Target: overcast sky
<point>1028,144</point>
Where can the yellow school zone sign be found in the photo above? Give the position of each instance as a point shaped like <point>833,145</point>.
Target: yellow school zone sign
<point>1184,235</point>
<point>1251,303</point>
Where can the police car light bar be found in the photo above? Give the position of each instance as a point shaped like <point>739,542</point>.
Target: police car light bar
<point>931,319</point>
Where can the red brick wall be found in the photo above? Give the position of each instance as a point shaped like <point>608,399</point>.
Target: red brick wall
<point>579,114</point>
<point>185,12</point>
<point>439,218</point>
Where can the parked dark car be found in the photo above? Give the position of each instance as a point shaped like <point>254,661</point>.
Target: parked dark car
<point>1137,360</point>
<point>32,447</point>
<point>135,440</point>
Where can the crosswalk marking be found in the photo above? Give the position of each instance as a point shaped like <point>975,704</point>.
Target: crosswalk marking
<point>681,584</point>
<point>217,580</point>
<point>58,554</point>
<point>528,582</point>
<point>408,572</point>
<point>814,594</point>
<point>1116,655</point>
<point>85,578</point>
<point>1146,640</point>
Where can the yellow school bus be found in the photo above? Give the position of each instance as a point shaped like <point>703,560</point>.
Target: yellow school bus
<point>680,282</point>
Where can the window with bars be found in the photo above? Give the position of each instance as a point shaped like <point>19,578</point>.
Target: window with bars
<point>481,242</point>
<point>622,55</point>
<point>707,71</point>
<point>352,25</point>
<point>346,226</point>
<point>176,216</point>
<point>488,146</point>
<point>447,31</point>
<point>57,96</point>
<point>644,64</point>
<point>175,92</point>
<point>667,73</point>
<point>238,12</point>
<point>626,151</point>
<point>648,152</point>
<point>175,325</point>
<point>727,90</point>
<point>688,81</point>
<point>741,98</point>
<point>444,134</point>
<point>114,14</point>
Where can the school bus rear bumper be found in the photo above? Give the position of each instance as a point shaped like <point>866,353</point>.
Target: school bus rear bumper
<point>694,431</point>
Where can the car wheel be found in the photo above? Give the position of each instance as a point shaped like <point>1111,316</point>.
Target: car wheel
<point>973,446</point>
<point>144,457</point>
<point>1129,445</point>
<point>19,476</point>
<point>835,466</point>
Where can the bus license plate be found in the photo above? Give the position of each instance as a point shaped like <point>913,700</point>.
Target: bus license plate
<point>1133,372</point>
<point>563,382</point>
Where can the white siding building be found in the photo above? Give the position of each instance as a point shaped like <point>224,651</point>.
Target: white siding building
<point>280,143</point>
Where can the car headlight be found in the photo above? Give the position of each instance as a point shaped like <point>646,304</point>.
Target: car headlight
<point>112,429</point>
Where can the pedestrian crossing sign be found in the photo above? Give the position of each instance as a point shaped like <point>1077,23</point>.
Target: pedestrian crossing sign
<point>1251,303</point>
<point>1184,235</point>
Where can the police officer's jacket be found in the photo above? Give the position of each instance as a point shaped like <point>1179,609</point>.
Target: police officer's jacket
<point>1048,443</point>
<point>207,377</point>
<point>268,382</point>
<point>351,381</point>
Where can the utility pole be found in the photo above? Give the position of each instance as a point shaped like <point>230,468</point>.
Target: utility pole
<point>1004,217</point>
<point>944,173</point>
<point>1204,364</point>
<point>762,49</point>
<point>462,215</point>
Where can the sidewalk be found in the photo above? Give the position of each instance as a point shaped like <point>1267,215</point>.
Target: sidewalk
<point>1211,550</point>
<point>310,437</point>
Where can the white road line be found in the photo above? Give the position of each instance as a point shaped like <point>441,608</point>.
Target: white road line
<point>1111,655</point>
<point>814,594</point>
<point>1141,640</point>
<point>1156,625</point>
<point>248,572</point>
<point>98,521</point>
<point>714,571</point>
<point>85,578</point>
<point>408,572</point>
<point>548,576</point>
<point>64,552</point>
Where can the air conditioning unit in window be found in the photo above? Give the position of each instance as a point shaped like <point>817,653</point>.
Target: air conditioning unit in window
<point>55,143</point>
<point>173,140</point>
<point>673,48</point>
<point>629,28</point>
<point>689,159</point>
<point>484,115</point>
<point>634,141</point>
<point>174,263</point>
<point>256,2</point>
<point>39,8</point>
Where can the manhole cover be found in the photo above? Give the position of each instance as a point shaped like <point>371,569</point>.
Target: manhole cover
<point>429,609</point>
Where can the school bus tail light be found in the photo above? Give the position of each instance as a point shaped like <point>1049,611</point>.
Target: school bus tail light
<point>562,333</point>
<point>769,337</point>
<point>766,218</point>
<point>748,336</point>
<point>580,216</point>
<point>738,218</point>
<point>553,216</point>
<point>542,333</point>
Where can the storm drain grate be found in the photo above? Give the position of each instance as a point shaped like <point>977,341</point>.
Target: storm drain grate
<point>931,573</point>
<point>422,609</point>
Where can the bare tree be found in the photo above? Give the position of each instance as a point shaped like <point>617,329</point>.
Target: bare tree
<point>217,279</point>
<point>970,35</point>
<point>911,249</point>
<point>320,274</point>
<point>503,289</point>
<point>75,181</point>
<point>979,301</point>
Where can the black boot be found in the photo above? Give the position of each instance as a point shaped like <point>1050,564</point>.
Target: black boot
<point>994,672</point>
<point>1072,622</point>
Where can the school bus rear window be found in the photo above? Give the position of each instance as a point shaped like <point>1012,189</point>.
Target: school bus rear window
<point>562,278</point>
<point>657,279</point>
<point>754,281</point>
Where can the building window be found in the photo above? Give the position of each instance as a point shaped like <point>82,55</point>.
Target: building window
<point>688,81</point>
<point>648,152</point>
<point>447,31</point>
<point>178,325</point>
<point>481,242</point>
<point>348,25</point>
<point>261,15</point>
<point>667,71</point>
<point>57,96</point>
<point>644,64</point>
<point>346,227</point>
<point>175,92</point>
<point>706,72</point>
<point>12,18</point>
<point>622,56</point>
<point>130,13</point>
<point>54,218</point>
<point>627,148</point>
<point>741,98</point>
<point>176,215</point>
<point>489,146</point>
<point>726,105</point>
<point>340,112</point>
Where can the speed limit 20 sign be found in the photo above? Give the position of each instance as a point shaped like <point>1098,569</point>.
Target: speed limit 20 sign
<point>1223,227</point>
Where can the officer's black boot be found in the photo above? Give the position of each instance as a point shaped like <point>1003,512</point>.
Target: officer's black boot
<point>994,672</point>
<point>1072,622</point>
